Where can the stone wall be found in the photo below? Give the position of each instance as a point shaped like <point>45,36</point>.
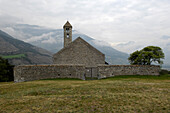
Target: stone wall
<point>113,70</point>
<point>37,72</point>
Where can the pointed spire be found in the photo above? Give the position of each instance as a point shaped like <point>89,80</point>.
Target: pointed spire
<point>67,24</point>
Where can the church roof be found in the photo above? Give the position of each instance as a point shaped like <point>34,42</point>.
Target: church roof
<point>79,39</point>
<point>67,24</point>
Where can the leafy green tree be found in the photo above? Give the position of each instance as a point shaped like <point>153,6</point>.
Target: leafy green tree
<point>146,56</point>
<point>6,71</point>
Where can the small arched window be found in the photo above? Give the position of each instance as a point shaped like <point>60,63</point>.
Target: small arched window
<point>67,35</point>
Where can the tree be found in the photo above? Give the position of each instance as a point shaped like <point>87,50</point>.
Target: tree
<point>6,71</point>
<point>146,56</point>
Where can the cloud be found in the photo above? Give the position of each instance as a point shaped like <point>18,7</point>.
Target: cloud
<point>50,40</point>
<point>8,19</point>
<point>132,46</point>
<point>100,43</point>
<point>114,21</point>
<point>128,47</point>
<point>16,34</point>
<point>165,37</point>
<point>45,38</point>
<point>126,43</point>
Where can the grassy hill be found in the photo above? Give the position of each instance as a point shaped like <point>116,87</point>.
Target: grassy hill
<point>13,56</point>
<point>19,52</point>
<point>119,94</point>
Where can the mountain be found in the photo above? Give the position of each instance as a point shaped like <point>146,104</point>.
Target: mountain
<point>52,40</point>
<point>166,50</point>
<point>18,52</point>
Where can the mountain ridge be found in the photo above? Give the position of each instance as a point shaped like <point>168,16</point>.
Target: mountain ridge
<point>52,40</point>
<point>19,52</point>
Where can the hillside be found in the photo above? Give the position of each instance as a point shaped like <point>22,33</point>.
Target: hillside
<point>19,52</point>
<point>52,40</point>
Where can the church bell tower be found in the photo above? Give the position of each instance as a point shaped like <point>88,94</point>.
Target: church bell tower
<point>67,33</point>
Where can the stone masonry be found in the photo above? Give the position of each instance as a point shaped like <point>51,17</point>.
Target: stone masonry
<point>37,72</point>
<point>67,34</point>
<point>115,70</point>
<point>79,52</point>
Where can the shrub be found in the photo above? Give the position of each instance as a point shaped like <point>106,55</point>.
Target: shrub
<point>6,71</point>
<point>164,71</point>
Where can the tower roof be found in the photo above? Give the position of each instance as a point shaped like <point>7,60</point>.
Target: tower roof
<point>67,24</point>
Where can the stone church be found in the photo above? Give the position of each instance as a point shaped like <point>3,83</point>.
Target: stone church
<point>78,59</point>
<point>78,51</point>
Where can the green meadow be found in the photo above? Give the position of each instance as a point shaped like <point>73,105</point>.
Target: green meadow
<point>12,56</point>
<point>143,94</point>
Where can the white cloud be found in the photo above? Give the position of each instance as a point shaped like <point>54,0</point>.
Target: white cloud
<point>113,21</point>
<point>132,46</point>
<point>165,37</point>
<point>128,47</point>
<point>46,37</point>
<point>100,43</point>
<point>50,40</point>
<point>14,33</point>
<point>8,19</point>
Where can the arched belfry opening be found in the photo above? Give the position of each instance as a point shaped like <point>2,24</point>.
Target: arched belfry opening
<point>67,33</point>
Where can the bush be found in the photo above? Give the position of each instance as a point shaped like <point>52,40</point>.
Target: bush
<point>6,71</point>
<point>164,72</point>
<point>168,72</point>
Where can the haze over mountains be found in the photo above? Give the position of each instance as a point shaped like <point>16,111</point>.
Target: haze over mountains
<point>19,52</point>
<point>52,40</point>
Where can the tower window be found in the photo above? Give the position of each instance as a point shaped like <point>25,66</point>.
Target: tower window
<point>67,29</point>
<point>67,35</point>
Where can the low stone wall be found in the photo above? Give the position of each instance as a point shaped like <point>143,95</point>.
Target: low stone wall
<point>113,70</point>
<point>37,72</point>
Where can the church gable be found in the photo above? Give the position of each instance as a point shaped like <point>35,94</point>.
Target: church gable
<point>89,46</point>
<point>81,41</point>
<point>79,52</point>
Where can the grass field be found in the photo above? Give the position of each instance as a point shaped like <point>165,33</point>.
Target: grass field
<point>13,56</point>
<point>119,94</point>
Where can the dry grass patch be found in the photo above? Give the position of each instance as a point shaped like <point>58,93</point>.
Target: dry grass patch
<point>119,94</point>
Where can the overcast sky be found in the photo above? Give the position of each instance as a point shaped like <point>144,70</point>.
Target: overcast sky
<point>125,24</point>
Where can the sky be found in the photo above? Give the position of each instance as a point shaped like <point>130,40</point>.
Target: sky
<point>126,25</point>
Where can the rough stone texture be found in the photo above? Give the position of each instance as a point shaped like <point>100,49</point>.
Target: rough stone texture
<point>67,34</point>
<point>79,52</point>
<point>113,70</point>
<point>37,72</point>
